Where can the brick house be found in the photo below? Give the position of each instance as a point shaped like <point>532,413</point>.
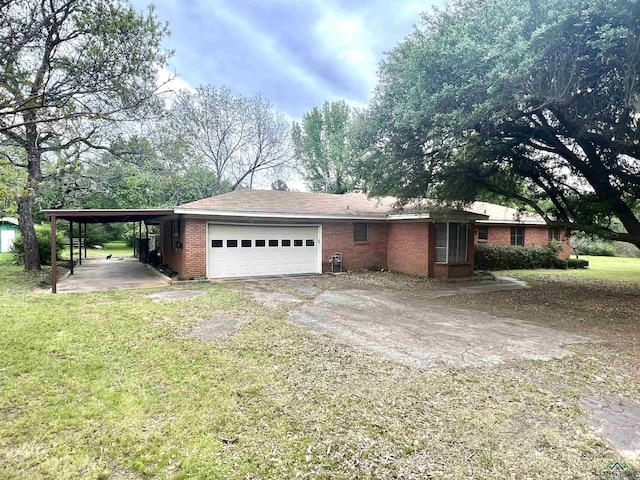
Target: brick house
<point>268,232</point>
<point>508,226</point>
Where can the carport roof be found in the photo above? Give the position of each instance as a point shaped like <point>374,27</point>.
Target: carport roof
<point>109,216</point>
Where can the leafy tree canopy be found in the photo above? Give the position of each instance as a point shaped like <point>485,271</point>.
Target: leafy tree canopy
<point>535,101</point>
<point>325,147</point>
<point>69,71</point>
<point>237,138</point>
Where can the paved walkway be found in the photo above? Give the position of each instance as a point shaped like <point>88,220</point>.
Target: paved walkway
<point>98,275</point>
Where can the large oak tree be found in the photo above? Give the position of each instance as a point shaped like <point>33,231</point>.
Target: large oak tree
<point>535,101</point>
<point>68,69</point>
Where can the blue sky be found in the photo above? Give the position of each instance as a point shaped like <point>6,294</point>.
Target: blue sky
<point>299,54</point>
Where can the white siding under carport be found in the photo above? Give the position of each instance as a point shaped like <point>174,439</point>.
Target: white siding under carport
<point>262,250</point>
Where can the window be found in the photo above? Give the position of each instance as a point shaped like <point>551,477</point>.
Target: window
<point>176,234</point>
<point>458,239</point>
<point>260,243</point>
<point>310,243</point>
<point>554,234</point>
<point>246,243</point>
<point>216,243</point>
<point>297,243</point>
<point>441,243</point>
<point>273,243</point>
<point>451,242</point>
<point>483,233</point>
<point>360,232</point>
<point>232,243</point>
<point>286,243</point>
<point>517,236</point>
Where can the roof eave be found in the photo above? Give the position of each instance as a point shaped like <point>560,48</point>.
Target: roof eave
<point>514,222</point>
<point>275,215</point>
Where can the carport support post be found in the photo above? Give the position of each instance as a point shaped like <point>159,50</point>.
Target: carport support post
<point>80,243</point>
<point>134,239</point>
<point>71,246</point>
<point>54,269</point>
<point>85,240</point>
<point>139,239</point>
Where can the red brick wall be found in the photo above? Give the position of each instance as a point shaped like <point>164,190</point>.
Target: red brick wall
<point>534,236</point>
<point>338,237</point>
<point>409,248</point>
<point>194,241</point>
<point>190,260</point>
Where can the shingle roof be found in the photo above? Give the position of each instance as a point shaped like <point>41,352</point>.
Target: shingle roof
<point>298,203</point>
<point>502,214</point>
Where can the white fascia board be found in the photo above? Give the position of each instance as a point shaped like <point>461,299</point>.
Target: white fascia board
<point>449,217</point>
<point>514,222</point>
<point>297,216</point>
<point>317,217</point>
<point>409,216</point>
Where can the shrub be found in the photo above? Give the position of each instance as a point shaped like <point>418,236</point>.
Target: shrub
<point>560,264</point>
<point>597,248</point>
<point>506,257</point>
<point>577,263</point>
<point>43,235</point>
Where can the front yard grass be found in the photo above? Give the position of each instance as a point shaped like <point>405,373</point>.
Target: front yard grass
<point>107,385</point>
<point>607,269</point>
<point>117,249</point>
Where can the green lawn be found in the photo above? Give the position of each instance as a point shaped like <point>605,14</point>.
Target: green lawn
<point>608,269</point>
<point>113,385</point>
<point>117,249</point>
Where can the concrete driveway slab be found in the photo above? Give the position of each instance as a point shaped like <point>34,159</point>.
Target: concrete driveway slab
<point>96,275</point>
<point>414,330</point>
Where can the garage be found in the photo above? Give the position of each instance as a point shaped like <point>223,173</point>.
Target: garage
<point>262,250</point>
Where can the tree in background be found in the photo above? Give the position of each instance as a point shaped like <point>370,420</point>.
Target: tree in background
<point>325,147</point>
<point>279,185</point>
<point>535,101</point>
<point>12,182</point>
<point>233,136</point>
<point>68,67</point>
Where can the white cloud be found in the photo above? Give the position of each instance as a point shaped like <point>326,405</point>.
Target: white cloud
<point>345,38</point>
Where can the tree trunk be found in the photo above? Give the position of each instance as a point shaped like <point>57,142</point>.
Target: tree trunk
<point>28,231</point>
<point>25,209</point>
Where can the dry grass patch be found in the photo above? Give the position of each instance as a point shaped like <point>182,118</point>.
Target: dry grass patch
<point>103,386</point>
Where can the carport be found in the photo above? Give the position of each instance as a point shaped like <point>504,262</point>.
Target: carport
<point>87,216</point>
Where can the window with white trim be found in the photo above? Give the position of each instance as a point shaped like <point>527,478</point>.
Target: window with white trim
<point>452,241</point>
<point>554,234</point>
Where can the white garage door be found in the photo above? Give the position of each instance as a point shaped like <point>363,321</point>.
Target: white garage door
<point>255,250</point>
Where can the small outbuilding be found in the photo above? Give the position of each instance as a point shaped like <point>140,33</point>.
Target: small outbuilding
<point>9,229</point>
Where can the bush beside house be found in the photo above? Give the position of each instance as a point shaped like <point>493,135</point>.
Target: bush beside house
<point>506,257</point>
